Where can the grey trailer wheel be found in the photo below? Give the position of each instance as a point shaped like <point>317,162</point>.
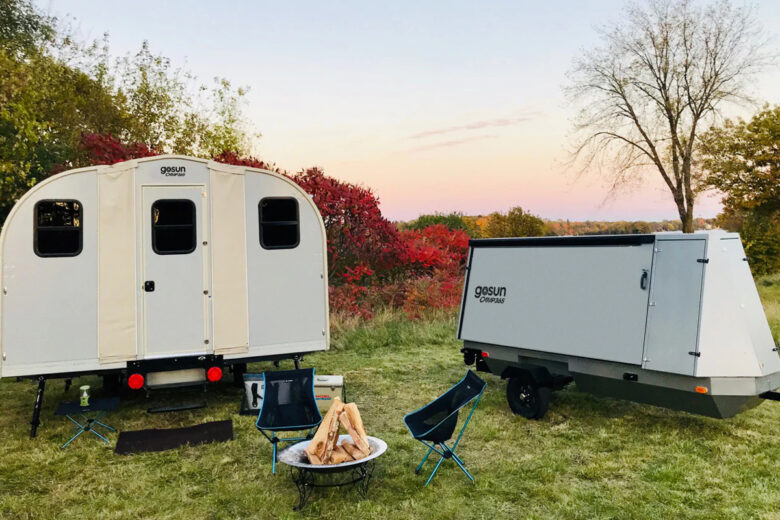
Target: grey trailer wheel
<point>526,398</point>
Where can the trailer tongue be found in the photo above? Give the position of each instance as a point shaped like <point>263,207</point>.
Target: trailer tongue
<point>667,319</point>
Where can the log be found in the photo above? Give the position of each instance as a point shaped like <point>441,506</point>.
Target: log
<point>322,439</point>
<point>333,436</point>
<point>353,450</point>
<point>350,419</point>
<point>339,455</point>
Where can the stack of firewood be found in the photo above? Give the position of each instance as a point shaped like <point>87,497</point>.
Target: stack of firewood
<point>324,447</point>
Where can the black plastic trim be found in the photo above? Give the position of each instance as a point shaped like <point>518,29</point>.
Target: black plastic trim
<point>296,223</point>
<point>193,227</point>
<point>67,229</point>
<point>572,241</point>
<point>465,291</point>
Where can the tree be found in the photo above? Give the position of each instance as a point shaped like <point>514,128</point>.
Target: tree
<point>63,106</point>
<point>515,223</point>
<point>455,221</point>
<point>742,160</point>
<point>657,80</point>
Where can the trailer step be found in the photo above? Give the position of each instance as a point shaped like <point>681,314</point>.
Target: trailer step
<point>177,407</point>
<point>772,396</point>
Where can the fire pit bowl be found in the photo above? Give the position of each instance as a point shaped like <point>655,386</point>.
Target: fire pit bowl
<point>308,476</point>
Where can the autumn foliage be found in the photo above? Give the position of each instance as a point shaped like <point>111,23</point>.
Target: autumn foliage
<point>371,264</point>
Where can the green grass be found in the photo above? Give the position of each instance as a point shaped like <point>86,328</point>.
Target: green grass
<point>588,458</point>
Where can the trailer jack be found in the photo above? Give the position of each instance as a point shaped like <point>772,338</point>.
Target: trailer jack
<point>36,417</point>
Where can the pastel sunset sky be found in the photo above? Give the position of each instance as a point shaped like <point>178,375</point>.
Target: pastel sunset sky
<point>436,106</point>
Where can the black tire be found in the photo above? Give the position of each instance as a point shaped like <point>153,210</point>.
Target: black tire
<point>527,399</point>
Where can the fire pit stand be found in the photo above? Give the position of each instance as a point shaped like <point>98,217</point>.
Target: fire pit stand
<point>306,477</point>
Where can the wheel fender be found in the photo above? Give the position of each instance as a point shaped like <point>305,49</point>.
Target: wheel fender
<point>538,376</point>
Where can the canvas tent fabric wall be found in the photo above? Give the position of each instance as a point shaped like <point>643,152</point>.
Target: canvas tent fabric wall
<point>230,296</point>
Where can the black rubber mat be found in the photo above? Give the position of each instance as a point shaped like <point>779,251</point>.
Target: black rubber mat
<point>167,439</point>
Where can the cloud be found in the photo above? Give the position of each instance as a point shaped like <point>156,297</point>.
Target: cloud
<point>453,142</point>
<point>477,125</point>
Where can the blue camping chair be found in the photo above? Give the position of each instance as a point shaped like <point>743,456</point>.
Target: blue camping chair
<point>288,405</point>
<point>434,424</point>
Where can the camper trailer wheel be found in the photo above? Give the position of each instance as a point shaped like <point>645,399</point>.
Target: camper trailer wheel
<point>527,398</point>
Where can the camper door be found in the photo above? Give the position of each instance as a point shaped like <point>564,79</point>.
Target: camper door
<point>175,290</point>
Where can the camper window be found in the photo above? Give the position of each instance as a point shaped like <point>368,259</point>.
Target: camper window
<point>173,226</point>
<point>58,230</point>
<point>278,222</point>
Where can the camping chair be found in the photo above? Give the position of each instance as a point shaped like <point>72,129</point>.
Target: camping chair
<point>288,405</point>
<point>434,424</point>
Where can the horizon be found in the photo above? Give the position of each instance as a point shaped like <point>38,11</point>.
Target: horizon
<point>453,100</point>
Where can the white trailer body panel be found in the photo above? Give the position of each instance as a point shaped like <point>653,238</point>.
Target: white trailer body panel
<point>560,299</point>
<point>175,311</point>
<point>224,294</point>
<point>672,334</point>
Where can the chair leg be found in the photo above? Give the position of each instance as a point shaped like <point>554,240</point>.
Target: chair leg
<point>273,463</point>
<point>430,450</point>
<point>462,467</point>
<point>434,471</point>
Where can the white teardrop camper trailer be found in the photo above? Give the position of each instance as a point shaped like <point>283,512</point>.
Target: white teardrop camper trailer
<point>669,319</point>
<point>162,267</point>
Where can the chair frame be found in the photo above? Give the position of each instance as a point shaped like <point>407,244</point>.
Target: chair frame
<point>443,450</point>
<point>273,439</point>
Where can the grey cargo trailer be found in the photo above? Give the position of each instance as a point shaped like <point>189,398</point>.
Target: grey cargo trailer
<point>668,319</point>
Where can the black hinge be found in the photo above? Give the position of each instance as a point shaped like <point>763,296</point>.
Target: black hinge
<point>694,354</point>
<point>703,260</point>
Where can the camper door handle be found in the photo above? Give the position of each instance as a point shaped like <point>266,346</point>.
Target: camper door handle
<point>643,280</point>
<point>149,286</point>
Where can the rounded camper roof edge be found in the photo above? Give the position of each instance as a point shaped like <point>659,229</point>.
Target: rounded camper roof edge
<point>133,163</point>
<point>33,189</point>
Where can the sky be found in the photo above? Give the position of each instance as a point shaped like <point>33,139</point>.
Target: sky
<point>437,106</point>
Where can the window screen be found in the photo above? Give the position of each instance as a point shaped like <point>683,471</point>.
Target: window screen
<point>173,226</point>
<point>279,223</point>
<point>58,228</point>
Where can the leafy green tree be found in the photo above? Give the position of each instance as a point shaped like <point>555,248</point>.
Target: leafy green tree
<point>742,160</point>
<point>55,91</point>
<point>515,223</point>
<point>453,220</point>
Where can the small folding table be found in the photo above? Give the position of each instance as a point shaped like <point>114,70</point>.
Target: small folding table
<point>90,415</point>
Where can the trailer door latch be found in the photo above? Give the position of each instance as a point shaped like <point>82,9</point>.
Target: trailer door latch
<point>694,354</point>
<point>703,260</point>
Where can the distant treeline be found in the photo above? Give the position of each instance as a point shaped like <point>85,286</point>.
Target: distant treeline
<point>517,223</point>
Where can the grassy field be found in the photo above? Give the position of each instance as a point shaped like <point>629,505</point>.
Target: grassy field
<point>588,458</point>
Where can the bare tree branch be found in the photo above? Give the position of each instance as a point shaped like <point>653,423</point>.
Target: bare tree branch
<point>658,78</point>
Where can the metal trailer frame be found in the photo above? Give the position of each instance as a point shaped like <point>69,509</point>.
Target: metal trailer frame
<point>229,300</point>
<point>723,357</point>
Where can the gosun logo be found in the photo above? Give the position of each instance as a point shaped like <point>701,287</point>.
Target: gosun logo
<point>488,294</point>
<point>173,171</point>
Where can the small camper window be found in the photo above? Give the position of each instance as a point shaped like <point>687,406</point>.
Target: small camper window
<point>279,223</point>
<point>58,230</point>
<point>173,226</point>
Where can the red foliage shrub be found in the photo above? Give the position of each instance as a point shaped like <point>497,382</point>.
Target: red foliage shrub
<point>107,149</point>
<point>230,157</point>
<point>357,232</point>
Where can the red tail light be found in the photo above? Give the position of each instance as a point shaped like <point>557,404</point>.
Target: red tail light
<point>135,381</point>
<point>214,374</point>
<point>484,354</point>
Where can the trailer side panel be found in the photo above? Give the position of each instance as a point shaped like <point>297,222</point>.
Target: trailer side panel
<point>584,299</point>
